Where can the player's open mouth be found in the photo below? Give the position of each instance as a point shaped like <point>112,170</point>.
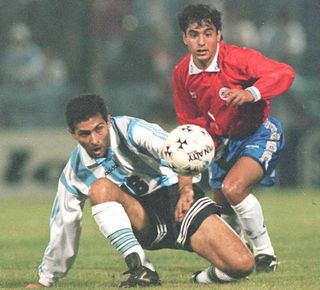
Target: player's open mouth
<point>201,52</point>
<point>97,151</point>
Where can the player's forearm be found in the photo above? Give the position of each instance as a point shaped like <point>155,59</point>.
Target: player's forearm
<point>185,182</point>
<point>60,253</point>
<point>65,232</point>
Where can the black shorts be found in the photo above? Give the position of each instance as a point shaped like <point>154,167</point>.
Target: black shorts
<point>165,231</point>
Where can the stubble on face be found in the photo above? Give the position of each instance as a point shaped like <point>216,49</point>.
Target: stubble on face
<point>93,136</point>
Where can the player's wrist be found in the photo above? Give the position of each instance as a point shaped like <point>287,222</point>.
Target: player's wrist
<point>185,188</point>
<point>255,93</point>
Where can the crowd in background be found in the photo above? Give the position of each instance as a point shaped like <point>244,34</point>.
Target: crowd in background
<point>125,51</point>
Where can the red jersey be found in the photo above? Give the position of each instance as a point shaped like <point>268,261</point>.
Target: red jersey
<point>198,94</point>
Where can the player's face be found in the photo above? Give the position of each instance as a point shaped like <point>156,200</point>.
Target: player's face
<point>202,42</point>
<point>93,135</point>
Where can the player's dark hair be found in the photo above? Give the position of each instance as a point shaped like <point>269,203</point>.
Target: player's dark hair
<point>200,14</point>
<point>83,107</point>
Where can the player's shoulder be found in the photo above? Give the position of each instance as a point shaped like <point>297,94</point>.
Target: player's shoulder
<point>234,55</point>
<point>126,124</point>
<point>230,49</point>
<point>123,122</point>
<point>182,65</point>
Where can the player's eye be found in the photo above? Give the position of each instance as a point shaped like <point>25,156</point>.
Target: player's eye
<point>99,129</point>
<point>209,33</point>
<point>84,133</point>
<point>193,34</point>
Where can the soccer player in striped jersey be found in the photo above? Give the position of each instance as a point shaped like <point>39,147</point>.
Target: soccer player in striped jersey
<point>137,201</point>
<point>227,90</point>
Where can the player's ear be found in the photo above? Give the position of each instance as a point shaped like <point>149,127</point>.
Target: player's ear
<point>108,121</point>
<point>184,37</point>
<point>219,35</point>
<point>72,132</point>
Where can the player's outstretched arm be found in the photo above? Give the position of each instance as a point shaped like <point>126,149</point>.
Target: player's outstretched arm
<point>35,285</point>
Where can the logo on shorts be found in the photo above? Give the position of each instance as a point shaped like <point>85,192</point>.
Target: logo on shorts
<point>265,158</point>
<point>271,146</point>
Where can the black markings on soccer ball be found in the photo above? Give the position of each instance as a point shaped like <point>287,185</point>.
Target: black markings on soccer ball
<point>199,154</point>
<point>187,128</point>
<point>181,143</point>
<point>167,152</point>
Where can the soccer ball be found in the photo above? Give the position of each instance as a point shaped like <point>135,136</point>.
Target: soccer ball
<point>189,149</point>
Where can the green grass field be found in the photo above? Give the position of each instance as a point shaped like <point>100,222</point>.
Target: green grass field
<point>292,217</point>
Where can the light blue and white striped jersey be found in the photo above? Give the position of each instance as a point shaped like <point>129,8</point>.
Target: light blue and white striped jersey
<point>133,160</point>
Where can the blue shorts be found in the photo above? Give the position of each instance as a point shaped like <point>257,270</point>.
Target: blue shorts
<point>264,146</point>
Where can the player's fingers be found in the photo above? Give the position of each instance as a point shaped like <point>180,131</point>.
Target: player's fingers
<point>181,212</point>
<point>229,98</point>
<point>236,101</point>
<point>178,213</point>
<point>34,286</point>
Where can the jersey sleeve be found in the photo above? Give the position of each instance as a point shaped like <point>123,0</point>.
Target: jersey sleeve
<point>65,228</point>
<point>269,76</point>
<point>147,137</point>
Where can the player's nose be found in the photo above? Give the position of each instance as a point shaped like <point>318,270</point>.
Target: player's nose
<point>95,140</point>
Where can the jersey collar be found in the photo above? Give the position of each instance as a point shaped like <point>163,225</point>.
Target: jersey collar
<point>213,67</point>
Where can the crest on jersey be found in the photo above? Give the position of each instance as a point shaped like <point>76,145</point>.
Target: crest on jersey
<point>222,92</point>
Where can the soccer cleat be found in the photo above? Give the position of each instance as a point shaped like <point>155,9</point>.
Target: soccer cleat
<point>139,275</point>
<point>265,263</point>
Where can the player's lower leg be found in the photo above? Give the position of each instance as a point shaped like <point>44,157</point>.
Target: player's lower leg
<point>118,230</point>
<point>252,221</point>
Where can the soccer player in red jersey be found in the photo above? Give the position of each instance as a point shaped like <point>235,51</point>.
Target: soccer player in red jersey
<point>227,90</point>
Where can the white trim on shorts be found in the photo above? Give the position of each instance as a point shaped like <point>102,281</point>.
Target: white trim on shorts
<point>192,212</point>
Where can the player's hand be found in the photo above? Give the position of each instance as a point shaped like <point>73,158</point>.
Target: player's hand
<point>236,97</point>
<point>184,203</point>
<point>35,285</point>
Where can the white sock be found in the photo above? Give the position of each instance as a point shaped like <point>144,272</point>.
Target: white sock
<point>115,225</point>
<point>213,275</point>
<point>251,218</point>
<point>223,276</point>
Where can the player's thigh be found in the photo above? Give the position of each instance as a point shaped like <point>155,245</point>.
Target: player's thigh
<point>220,245</point>
<point>104,190</point>
<point>137,214</point>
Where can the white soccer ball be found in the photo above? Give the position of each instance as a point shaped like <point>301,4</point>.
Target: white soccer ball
<point>189,149</point>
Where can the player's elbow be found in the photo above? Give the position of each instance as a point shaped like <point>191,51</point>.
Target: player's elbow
<point>289,75</point>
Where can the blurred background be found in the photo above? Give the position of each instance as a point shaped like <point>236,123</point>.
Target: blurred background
<point>125,50</point>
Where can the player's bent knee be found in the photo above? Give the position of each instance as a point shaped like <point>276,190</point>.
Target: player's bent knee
<point>243,267</point>
<point>103,190</point>
<point>233,190</point>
